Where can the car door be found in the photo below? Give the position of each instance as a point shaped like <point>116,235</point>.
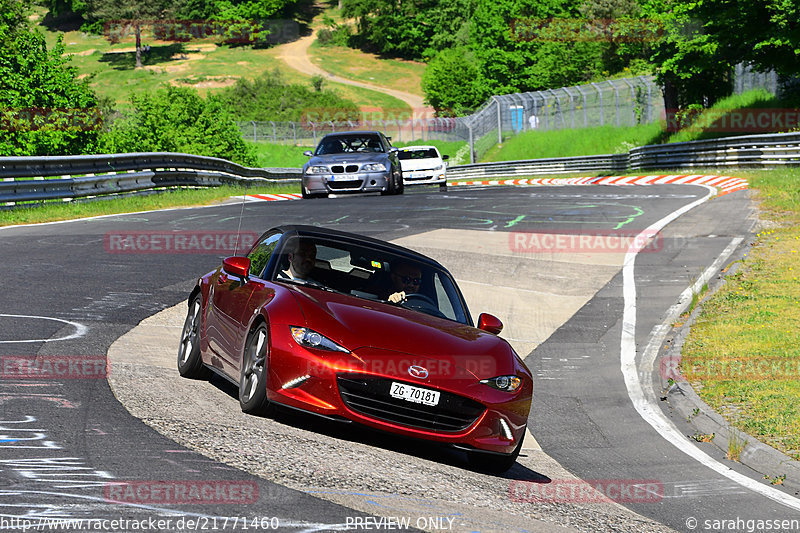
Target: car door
<point>230,311</point>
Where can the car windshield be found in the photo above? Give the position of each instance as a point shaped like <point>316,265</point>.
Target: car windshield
<point>428,153</point>
<point>343,144</point>
<point>369,273</point>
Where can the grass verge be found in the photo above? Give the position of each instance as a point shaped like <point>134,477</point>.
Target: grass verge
<point>742,354</point>
<point>567,143</point>
<point>54,211</point>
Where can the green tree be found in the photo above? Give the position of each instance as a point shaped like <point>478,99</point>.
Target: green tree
<point>177,119</point>
<point>46,110</point>
<point>130,14</point>
<point>412,29</point>
<point>705,40</point>
<point>451,83</point>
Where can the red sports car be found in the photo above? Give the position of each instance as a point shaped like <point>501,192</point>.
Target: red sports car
<point>359,330</point>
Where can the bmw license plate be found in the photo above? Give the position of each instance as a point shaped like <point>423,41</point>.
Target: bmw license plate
<point>343,177</point>
<point>410,393</point>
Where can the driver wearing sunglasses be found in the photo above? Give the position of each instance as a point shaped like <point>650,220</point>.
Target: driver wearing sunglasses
<point>406,279</point>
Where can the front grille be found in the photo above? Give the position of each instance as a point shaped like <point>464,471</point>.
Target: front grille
<point>370,396</point>
<point>349,184</point>
<point>339,169</point>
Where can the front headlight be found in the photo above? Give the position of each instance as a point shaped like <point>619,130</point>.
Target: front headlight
<point>504,383</point>
<point>308,338</point>
<point>374,167</point>
<point>317,170</point>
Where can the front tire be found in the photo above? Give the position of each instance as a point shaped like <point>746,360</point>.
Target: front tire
<point>253,374</point>
<point>190,364</point>
<point>400,185</point>
<point>390,186</point>
<point>494,464</point>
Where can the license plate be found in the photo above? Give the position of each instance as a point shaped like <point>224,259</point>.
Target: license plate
<point>410,393</point>
<point>344,177</point>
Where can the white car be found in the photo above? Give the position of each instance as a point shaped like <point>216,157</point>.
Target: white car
<point>423,165</point>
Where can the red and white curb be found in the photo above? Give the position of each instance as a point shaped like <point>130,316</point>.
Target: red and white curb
<point>270,197</point>
<point>723,184</point>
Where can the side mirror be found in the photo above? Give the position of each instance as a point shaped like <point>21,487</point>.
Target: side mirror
<point>308,153</point>
<point>490,323</point>
<point>445,157</point>
<point>393,149</point>
<point>236,266</point>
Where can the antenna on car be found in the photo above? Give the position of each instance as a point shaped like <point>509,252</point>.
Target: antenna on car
<point>241,213</point>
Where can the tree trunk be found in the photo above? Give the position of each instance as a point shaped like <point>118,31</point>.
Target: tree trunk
<point>670,96</point>
<point>138,46</point>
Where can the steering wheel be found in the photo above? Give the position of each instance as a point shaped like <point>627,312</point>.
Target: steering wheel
<point>423,303</point>
<point>423,299</point>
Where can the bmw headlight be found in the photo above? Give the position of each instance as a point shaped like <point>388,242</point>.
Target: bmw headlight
<point>374,167</point>
<point>308,338</point>
<point>317,170</point>
<point>504,383</point>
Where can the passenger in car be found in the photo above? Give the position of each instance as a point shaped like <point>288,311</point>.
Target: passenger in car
<point>302,255</point>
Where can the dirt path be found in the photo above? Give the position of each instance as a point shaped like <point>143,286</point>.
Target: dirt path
<point>295,55</point>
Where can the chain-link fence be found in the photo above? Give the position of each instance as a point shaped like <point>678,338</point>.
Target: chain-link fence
<point>621,102</point>
<point>746,79</point>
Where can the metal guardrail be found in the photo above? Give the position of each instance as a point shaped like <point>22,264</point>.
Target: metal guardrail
<point>751,151</point>
<point>93,175</point>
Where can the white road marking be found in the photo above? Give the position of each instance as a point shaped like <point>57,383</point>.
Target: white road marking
<point>645,404</point>
<point>80,329</point>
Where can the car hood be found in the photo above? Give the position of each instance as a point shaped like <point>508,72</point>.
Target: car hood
<point>367,327</point>
<point>420,164</point>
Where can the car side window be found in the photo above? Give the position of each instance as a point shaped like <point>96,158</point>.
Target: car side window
<point>261,253</point>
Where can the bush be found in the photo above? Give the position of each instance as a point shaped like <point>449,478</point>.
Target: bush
<point>271,98</point>
<point>177,119</point>
<point>45,109</point>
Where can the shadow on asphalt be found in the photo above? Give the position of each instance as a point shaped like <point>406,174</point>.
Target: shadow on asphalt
<point>354,432</point>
